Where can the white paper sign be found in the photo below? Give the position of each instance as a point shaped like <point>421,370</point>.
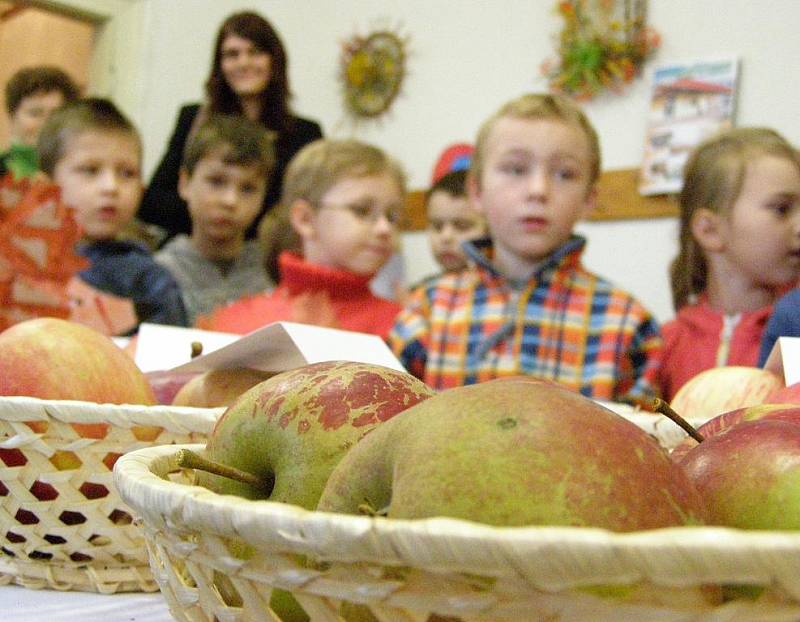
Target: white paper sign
<point>285,345</point>
<point>160,347</point>
<point>785,359</point>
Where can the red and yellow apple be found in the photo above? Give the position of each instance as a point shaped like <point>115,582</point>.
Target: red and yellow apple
<point>749,475</point>
<point>786,395</point>
<point>722,389</point>
<point>721,423</point>
<point>56,359</point>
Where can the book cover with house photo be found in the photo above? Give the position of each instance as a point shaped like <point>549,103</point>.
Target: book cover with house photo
<point>689,103</point>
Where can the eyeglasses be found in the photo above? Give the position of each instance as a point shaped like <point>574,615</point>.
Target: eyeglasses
<point>368,214</point>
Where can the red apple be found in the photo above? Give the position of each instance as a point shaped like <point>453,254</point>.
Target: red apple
<point>786,395</point>
<point>720,423</point>
<point>722,389</point>
<point>166,383</point>
<point>749,475</point>
<point>56,359</point>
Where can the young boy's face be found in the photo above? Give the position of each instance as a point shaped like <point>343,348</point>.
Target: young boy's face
<point>224,199</point>
<point>534,187</point>
<point>100,176</point>
<point>29,118</point>
<point>355,226</point>
<point>451,221</point>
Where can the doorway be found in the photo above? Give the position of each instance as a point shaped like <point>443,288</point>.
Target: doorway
<point>32,35</point>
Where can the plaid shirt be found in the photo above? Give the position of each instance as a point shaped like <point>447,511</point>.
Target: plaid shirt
<point>564,323</point>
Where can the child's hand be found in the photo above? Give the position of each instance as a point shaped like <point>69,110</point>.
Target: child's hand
<point>314,308</point>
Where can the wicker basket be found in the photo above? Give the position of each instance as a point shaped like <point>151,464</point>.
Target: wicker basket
<point>63,524</point>
<point>407,570</point>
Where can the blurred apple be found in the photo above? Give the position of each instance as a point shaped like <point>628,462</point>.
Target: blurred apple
<point>722,389</point>
<point>720,423</point>
<point>218,387</point>
<point>786,395</point>
<point>166,383</point>
<point>749,475</point>
<point>56,359</point>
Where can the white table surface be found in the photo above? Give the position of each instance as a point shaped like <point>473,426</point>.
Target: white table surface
<point>19,604</point>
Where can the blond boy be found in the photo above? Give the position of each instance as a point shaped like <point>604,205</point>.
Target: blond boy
<point>529,306</point>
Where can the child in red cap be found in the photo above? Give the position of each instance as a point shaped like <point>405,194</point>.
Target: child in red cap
<point>451,218</point>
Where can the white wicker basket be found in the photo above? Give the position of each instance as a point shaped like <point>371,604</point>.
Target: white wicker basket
<point>407,570</point>
<point>62,523</point>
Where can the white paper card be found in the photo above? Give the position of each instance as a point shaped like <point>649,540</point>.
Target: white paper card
<point>785,359</point>
<point>160,347</point>
<point>285,345</point>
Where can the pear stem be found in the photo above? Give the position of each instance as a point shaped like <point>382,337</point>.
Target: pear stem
<point>187,459</point>
<point>660,406</point>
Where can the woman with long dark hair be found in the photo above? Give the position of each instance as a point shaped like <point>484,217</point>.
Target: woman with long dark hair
<point>248,77</point>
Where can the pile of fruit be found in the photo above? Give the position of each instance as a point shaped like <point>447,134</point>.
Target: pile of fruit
<point>355,438</point>
<point>360,439</point>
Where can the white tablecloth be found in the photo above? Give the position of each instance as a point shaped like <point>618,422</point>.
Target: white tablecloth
<point>19,604</point>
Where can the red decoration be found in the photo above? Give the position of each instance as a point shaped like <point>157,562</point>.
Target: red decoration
<point>38,234</point>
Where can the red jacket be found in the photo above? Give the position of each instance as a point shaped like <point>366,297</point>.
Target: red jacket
<point>310,294</point>
<point>700,338</point>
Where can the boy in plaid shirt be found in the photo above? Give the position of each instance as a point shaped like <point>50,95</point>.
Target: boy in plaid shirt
<point>529,306</point>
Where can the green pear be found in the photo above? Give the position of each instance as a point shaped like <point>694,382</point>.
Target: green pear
<point>512,453</point>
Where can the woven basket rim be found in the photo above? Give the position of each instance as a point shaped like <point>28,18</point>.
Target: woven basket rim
<point>118,565</point>
<point>173,418</point>
<point>708,553</point>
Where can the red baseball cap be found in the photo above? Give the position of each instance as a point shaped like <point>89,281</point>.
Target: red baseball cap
<point>457,157</point>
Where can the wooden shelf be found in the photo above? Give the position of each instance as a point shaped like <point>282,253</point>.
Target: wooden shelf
<point>618,199</point>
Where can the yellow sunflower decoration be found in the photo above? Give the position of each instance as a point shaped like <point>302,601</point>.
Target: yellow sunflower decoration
<point>372,72</point>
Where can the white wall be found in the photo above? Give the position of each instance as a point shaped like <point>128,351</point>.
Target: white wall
<point>466,59</point>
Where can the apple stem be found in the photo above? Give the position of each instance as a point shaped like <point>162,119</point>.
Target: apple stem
<point>660,406</point>
<point>368,509</point>
<point>187,459</point>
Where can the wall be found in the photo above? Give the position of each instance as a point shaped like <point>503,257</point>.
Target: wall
<point>37,37</point>
<point>466,59</point>
<point>117,68</point>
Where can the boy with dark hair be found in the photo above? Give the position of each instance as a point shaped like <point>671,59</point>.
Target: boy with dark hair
<point>94,155</point>
<point>223,180</point>
<point>451,218</point>
<point>32,94</point>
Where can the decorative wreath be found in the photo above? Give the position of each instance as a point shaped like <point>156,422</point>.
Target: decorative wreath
<point>603,45</point>
<point>372,72</point>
